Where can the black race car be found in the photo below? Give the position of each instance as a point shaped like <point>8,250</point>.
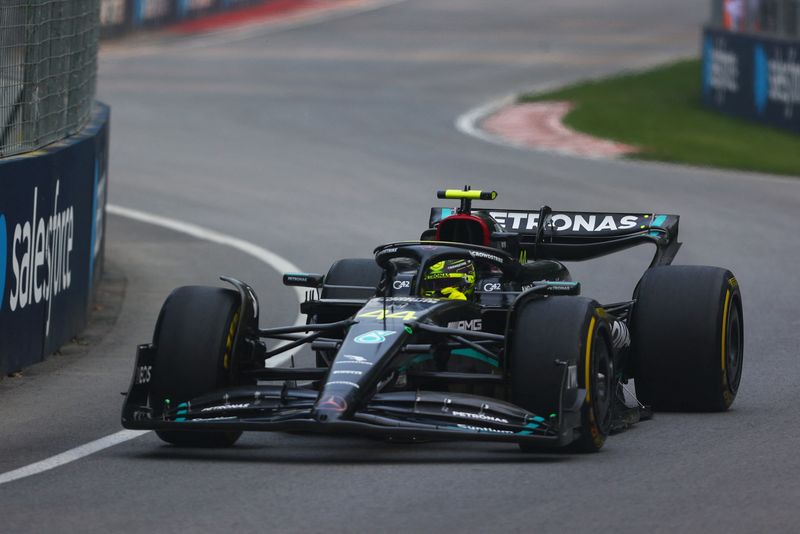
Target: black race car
<point>524,359</point>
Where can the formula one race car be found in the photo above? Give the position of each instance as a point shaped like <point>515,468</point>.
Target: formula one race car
<point>475,332</point>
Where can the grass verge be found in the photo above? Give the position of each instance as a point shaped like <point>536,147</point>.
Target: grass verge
<point>660,111</point>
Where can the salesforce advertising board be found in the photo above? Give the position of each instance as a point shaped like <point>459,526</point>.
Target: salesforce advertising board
<point>752,77</point>
<point>51,243</point>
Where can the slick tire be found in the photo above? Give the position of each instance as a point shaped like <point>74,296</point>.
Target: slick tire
<point>348,272</point>
<point>687,332</point>
<point>352,272</point>
<point>572,330</point>
<point>193,340</point>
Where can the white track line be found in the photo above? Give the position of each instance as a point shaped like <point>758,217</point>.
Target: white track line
<point>71,455</point>
<point>469,122</point>
<point>278,263</point>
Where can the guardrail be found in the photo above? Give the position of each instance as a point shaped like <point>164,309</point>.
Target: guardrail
<point>52,236</point>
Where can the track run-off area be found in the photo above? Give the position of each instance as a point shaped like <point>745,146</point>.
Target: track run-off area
<point>286,148</point>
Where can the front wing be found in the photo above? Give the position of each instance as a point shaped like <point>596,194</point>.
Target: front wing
<point>405,415</point>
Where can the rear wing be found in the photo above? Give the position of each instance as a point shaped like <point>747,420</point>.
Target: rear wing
<point>575,236</point>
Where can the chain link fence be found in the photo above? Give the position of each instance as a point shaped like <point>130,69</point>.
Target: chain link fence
<point>779,18</point>
<point>48,67</point>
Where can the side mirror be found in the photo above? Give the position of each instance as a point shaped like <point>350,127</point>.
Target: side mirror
<point>303,279</point>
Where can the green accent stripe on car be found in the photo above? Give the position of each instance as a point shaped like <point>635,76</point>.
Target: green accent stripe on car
<point>464,353</point>
<point>475,355</point>
<point>658,220</point>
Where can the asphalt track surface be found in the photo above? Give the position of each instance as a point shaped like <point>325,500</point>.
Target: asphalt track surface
<point>323,141</point>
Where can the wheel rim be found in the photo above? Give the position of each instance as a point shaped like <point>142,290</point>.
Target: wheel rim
<point>602,388</point>
<point>733,356</point>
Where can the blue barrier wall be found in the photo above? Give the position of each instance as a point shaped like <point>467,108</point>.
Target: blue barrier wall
<point>52,235</point>
<point>753,77</point>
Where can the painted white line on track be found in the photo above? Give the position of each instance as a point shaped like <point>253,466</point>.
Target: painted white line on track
<point>276,262</point>
<point>469,122</point>
<point>71,455</point>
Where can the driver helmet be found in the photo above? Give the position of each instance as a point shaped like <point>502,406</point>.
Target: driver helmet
<point>452,279</point>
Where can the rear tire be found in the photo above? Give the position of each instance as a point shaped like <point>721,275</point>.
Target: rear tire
<point>352,272</point>
<point>193,340</point>
<point>687,338</point>
<point>347,272</point>
<point>562,328</point>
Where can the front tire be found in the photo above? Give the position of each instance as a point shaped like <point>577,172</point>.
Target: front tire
<point>569,329</point>
<point>194,343</point>
<point>687,338</point>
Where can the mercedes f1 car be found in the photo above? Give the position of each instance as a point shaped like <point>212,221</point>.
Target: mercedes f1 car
<point>523,358</point>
